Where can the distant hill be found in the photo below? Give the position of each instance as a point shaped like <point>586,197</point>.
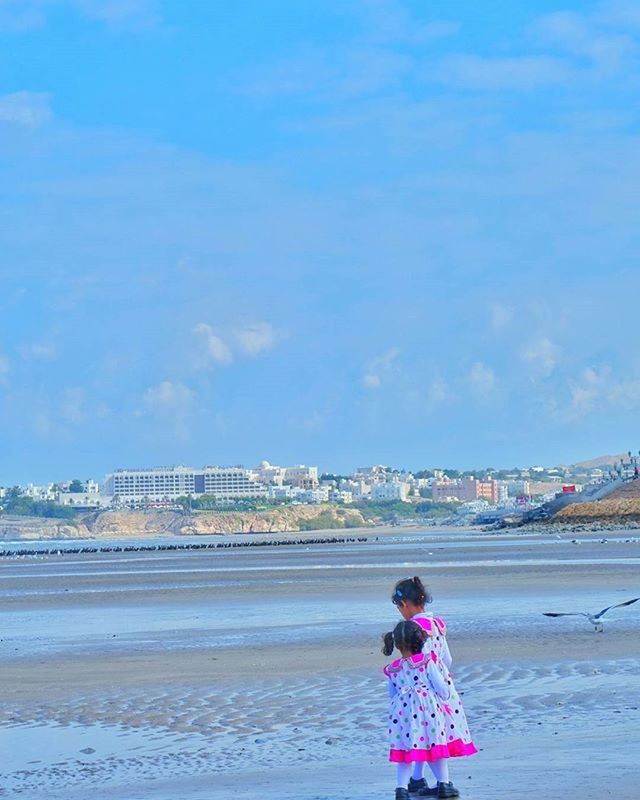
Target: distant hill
<point>601,461</point>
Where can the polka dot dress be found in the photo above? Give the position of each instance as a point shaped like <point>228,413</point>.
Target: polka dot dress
<point>423,726</point>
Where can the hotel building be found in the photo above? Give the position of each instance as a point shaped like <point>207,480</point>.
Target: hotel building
<point>162,484</point>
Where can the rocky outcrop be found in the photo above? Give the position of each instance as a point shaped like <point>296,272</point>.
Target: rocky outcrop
<point>134,524</point>
<point>622,506</point>
<point>37,528</point>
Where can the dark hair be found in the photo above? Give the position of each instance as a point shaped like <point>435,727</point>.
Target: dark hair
<point>407,635</point>
<point>411,590</point>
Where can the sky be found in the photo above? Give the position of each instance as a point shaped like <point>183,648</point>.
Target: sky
<point>333,232</point>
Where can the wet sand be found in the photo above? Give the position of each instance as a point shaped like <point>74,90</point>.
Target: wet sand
<point>257,672</point>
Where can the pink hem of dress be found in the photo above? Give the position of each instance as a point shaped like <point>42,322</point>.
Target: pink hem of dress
<point>452,750</point>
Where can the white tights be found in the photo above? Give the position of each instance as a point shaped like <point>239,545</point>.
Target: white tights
<point>403,775</point>
<point>440,769</point>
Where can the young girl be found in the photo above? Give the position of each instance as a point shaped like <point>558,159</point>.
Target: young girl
<point>410,597</point>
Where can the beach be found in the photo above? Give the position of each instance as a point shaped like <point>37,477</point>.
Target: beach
<point>257,671</point>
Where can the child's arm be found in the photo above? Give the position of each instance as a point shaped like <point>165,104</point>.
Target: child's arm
<point>390,686</point>
<point>445,654</point>
<point>437,680</point>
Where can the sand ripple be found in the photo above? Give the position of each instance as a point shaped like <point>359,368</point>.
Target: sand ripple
<point>200,733</point>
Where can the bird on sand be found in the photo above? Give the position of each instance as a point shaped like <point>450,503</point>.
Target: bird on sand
<point>594,619</point>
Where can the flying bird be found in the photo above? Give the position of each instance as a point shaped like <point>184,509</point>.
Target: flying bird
<point>594,619</point>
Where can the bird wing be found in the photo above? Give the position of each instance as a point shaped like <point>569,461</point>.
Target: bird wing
<point>564,614</point>
<point>617,605</point>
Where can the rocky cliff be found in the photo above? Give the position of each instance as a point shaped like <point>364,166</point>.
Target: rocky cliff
<point>130,524</point>
<point>622,506</point>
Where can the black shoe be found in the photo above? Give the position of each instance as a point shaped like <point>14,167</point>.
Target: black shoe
<point>421,788</point>
<point>447,790</point>
<point>402,794</point>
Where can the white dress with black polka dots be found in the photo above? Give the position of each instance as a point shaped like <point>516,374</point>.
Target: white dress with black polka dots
<point>426,718</point>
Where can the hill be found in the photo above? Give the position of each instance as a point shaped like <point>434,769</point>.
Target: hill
<point>622,506</point>
<point>600,461</point>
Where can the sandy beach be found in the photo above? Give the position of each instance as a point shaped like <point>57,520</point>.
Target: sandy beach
<point>258,671</point>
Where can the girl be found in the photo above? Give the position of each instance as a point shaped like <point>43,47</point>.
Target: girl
<point>410,597</point>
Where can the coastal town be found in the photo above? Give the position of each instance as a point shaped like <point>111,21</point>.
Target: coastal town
<point>461,497</point>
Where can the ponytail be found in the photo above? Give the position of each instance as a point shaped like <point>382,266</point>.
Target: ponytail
<point>407,635</point>
<point>387,646</point>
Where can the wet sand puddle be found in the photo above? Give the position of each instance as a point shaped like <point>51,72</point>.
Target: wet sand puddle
<point>46,756</point>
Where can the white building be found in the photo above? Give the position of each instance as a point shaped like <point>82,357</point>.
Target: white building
<point>317,495</point>
<point>38,492</point>
<point>168,483</point>
<point>340,496</point>
<point>272,475</point>
<point>390,491</point>
<point>268,474</point>
<point>302,476</point>
<point>358,488</point>
<point>87,500</point>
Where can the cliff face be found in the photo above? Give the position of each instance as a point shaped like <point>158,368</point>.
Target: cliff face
<point>129,524</point>
<point>37,528</point>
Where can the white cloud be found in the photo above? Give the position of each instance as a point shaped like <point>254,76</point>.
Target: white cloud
<point>119,12</point>
<point>167,396</point>
<point>584,394</point>
<point>625,13</point>
<point>578,35</point>
<point>391,22</point>
<point>171,404</point>
<point>45,351</point>
<point>372,379</point>
<point>597,390</point>
<point>438,392</point>
<point>482,379</point>
<point>542,354</point>
<point>249,341</point>
<point>256,338</point>
<point>29,109</point>
<point>521,72</point>
<point>72,408</point>
<point>501,316</point>
<point>18,16</point>
<point>216,349</point>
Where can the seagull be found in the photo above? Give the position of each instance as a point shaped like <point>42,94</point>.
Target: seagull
<point>594,619</point>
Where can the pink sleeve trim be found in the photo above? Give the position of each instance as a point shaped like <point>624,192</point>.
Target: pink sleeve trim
<point>425,623</point>
<point>440,625</point>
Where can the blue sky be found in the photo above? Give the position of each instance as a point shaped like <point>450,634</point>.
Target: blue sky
<point>312,231</point>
